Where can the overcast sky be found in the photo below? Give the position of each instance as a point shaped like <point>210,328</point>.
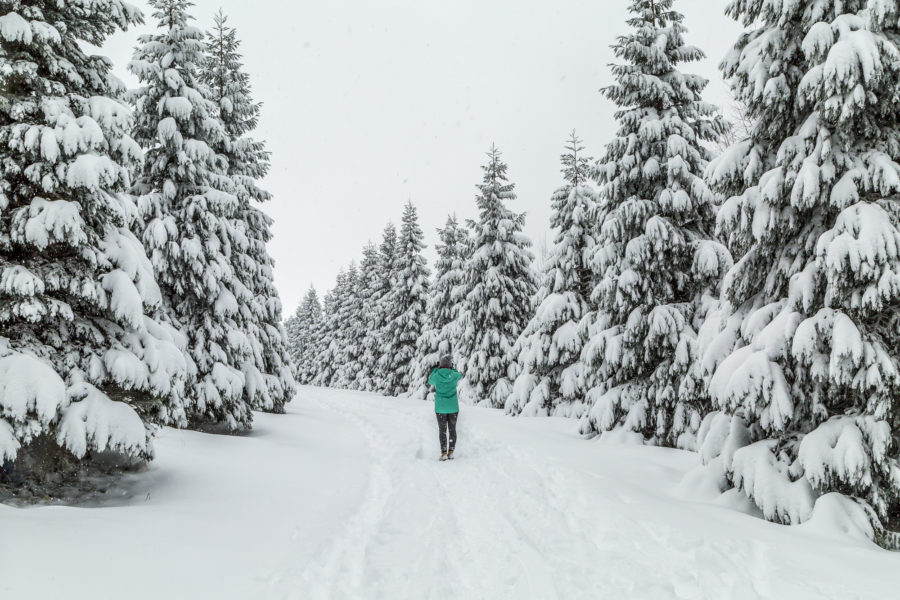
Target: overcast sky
<point>370,104</point>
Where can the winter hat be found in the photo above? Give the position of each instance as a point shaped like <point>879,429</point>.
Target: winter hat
<point>446,361</point>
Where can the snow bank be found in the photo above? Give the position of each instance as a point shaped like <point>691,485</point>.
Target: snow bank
<point>837,516</point>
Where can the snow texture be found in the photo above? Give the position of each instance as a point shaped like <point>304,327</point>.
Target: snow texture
<point>385,519</point>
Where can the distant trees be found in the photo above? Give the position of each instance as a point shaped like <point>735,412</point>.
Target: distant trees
<point>303,335</point>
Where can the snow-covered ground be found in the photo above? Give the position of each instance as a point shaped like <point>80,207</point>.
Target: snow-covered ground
<point>343,497</point>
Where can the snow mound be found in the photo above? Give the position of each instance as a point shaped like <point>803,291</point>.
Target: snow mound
<point>622,435</point>
<point>837,516</point>
<point>703,482</point>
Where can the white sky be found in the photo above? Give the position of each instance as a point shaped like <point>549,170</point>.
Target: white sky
<point>368,104</point>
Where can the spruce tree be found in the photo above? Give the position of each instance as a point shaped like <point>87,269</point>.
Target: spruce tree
<point>805,351</point>
<point>406,304</point>
<point>380,314</point>
<point>551,379</point>
<point>329,345</point>
<point>499,284</point>
<point>348,347</point>
<point>269,380</point>
<point>438,335</point>
<point>656,262</point>
<point>87,362</point>
<point>368,288</point>
<point>188,203</point>
<point>322,343</point>
<point>303,331</point>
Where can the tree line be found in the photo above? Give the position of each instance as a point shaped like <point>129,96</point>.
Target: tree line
<point>738,299</point>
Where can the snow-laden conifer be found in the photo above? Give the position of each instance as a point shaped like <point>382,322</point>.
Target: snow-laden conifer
<point>86,360</point>
<point>188,204</point>
<point>268,375</point>
<point>405,303</point>
<point>329,342</point>
<point>303,330</point>
<point>498,286</point>
<point>438,334</point>
<point>551,377</point>
<point>804,351</point>
<point>368,289</point>
<point>655,262</point>
<point>346,356</point>
<point>379,314</point>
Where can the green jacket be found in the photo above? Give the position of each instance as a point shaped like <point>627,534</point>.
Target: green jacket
<point>444,382</point>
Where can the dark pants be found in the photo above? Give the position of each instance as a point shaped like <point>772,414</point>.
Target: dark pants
<point>447,423</point>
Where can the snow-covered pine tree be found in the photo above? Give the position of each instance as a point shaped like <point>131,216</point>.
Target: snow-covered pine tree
<point>805,352</point>
<point>336,351</point>
<point>368,287</point>
<point>348,348</point>
<point>188,204</point>
<point>303,332</point>
<point>86,361</point>
<point>323,366</point>
<point>438,335</point>
<point>551,377</point>
<point>269,380</point>
<point>405,306</point>
<point>657,266</point>
<point>328,356</point>
<point>499,284</point>
<point>379,314</point>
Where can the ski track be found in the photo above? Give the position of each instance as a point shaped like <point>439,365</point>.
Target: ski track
<point>502,522</point>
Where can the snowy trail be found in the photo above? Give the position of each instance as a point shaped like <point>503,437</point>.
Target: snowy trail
<point>512,518</point>
<point>344,497</point>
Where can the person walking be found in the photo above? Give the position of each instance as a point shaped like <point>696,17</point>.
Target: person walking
<point>446,403</point>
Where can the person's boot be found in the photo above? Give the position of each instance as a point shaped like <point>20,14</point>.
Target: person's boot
<point>443,456</point>
<point>450,455</point>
